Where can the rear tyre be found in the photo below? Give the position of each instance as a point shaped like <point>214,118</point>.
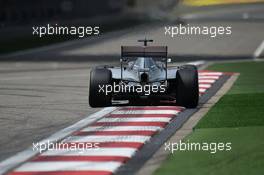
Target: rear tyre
<point>100,77</point>
<point>187,88</point>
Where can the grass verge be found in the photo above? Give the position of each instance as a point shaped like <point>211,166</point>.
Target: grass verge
<point>245,157</point>
<point>237,118</point>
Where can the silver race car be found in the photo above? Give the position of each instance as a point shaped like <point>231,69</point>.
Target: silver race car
<point>144,75</point>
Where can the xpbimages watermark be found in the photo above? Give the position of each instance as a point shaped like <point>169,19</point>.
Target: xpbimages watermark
<point>49,146</point>
<point>212,147</point>
<point>80,31</point>
<point>212,31</point>
<point>124,88</point>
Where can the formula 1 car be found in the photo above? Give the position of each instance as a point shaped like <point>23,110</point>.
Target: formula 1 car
<point>144,74</point>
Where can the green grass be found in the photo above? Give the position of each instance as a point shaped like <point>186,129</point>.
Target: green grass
<point>251,78</point>
<point>245,157</point>
<point>243,105</point>
<point>235,110</point>
<point>237,118</point>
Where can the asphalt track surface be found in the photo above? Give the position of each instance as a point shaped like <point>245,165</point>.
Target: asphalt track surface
<point>120,135</point>
<point>41,98</point>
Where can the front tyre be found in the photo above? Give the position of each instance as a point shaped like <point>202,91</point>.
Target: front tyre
<point>187,87</point>
<point>100,77</point>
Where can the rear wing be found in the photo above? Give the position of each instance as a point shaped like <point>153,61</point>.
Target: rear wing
<point>144,51</point>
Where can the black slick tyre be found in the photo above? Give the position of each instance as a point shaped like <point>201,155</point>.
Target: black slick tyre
<point>99,77</point>
<point>187,87</point>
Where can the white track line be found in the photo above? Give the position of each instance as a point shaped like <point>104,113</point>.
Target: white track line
<point>197,63</point>
<point>126,152</point>
<point>157,107</point>
<point>98,139</point>
<point>121,128</point>
<point>142,119</point>
<point>202,90</point>
<point>208,77</point>
<point>204,85</point>
<point>210,73</point>
<point>69,166</point>
<point>207,81</point>
<point>259,50</point>
<point>173,112</point>
<point>22,78</point>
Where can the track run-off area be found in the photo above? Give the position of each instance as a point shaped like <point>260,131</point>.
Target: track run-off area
<point>116,137</point>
